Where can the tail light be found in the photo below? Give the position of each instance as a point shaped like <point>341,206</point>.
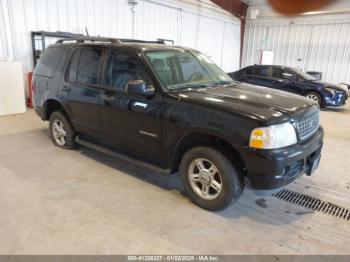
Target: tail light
<point>31,90</point>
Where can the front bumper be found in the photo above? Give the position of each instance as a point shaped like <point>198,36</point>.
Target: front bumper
<point>269,169</point>
<point>339,99</point>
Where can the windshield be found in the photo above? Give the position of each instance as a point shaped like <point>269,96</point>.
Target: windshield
<point>180,69</point>
<point>303,75</point>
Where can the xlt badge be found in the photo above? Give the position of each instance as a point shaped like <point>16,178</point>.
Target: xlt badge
<point>148,134</point>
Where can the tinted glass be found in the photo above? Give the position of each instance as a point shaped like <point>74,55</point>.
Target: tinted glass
<point>276,72</point>
<point>184,69</point>
<point>124,67</point>
<point>89,65</point>
<point>302,74</point>
<point>282,73</point>
<point>261,71</point>
<point>72,74</point>
<point>49,61</point>
<point>250,71</point>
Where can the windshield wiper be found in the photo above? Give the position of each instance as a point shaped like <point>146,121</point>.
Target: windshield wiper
<point>222,82</point>
<point>207,85</point>
<point>189,86</point>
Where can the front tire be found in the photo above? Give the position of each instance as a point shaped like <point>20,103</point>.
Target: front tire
<point>210,179</point>
<point>61,130</point>
<point>315,97</point>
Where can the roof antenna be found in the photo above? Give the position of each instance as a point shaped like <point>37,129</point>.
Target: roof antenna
<point>87,32</point>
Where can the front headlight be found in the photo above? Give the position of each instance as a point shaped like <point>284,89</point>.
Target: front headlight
<point>276,136</point>
<point>330,90</point>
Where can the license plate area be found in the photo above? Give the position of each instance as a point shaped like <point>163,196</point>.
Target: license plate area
<point>313,164</point>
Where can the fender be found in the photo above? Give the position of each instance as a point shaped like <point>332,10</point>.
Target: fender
<point>199,135</point>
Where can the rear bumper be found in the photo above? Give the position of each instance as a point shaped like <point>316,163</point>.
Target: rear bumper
<point>40,112</point>
<point>269,169</point>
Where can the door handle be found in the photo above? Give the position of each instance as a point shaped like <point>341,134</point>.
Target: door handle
<point>140,104</point>
<point>65,88</point>
<point>108,98</point>
<point>139,107</point>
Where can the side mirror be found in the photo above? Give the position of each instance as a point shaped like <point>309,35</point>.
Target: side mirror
<point>138,87</point>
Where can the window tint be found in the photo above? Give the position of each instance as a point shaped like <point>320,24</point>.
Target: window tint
<point>88,65</point>
<point>73,69</point>
<point>50,61</point>
<point>276,72</point>
<point>261,71</point>
<point>282,73</point>
<point>250,71</point>
<point>122,68</point>
<point>287,75</point>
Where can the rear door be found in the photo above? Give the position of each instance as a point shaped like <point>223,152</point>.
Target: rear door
<point>261,76</point>
<point>130,123</point>
<point>243,74</point>
<point>82,88</point>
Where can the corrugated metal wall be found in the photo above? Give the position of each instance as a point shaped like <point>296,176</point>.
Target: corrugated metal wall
<point>213,32</point>
<point>322,43</point>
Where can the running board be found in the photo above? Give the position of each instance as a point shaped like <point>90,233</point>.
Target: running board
<point>122,157</point>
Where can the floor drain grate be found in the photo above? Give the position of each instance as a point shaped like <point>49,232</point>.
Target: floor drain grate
<point>313,204</point>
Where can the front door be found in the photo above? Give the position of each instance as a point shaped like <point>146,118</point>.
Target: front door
<point>284,80</point>
<point>130,123</point>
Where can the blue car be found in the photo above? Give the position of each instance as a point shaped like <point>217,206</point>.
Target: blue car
<point>294,81</point>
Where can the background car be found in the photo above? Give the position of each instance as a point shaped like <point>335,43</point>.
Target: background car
<point>292,80</point>
<point>345,86</point>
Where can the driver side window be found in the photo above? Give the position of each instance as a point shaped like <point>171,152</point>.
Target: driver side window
<point>283,74</point>
<point>122,68</point>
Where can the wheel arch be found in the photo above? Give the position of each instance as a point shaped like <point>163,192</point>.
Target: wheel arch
<point>50,106</point>
<point>215,141</point>
<point>315,91</point>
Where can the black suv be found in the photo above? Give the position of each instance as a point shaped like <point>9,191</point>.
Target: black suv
<point>173,108</point>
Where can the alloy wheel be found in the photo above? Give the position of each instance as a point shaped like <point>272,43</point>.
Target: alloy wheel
<point>59,133</point>
<point>313,97</point>
<point>205,178</point>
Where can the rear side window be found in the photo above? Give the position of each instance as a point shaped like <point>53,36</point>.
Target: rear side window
<point>249,71</point>
<point>49,61</point>
<point>89,62</point>
<point>73,69</point>
<point>261,71</point>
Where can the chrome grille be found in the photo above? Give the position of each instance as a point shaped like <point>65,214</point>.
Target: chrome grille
<point>308,123</point>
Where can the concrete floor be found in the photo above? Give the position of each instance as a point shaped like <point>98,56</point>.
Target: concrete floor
<point>54,201</point>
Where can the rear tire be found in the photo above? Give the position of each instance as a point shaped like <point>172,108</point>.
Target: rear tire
<point>315,97</point>
<point>210,179</point>
<point>61,130</point>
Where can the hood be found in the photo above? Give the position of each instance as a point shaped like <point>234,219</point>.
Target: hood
<point>256,102</point>
<point>326,84</point>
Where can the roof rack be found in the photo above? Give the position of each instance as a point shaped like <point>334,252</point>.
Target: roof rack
<point>158,41</point>
<point>90,39</point>
<point>109,40</point>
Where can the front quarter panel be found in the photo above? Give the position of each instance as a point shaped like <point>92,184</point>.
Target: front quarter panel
<point>184,118</point>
